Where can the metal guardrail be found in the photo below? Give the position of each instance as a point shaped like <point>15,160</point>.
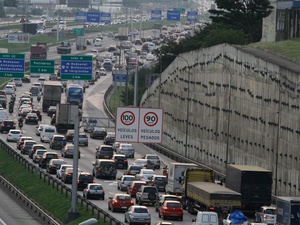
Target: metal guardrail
<point>54,183</point>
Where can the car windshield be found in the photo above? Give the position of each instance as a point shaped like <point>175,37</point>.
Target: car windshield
<point>152,157</point>
<point>129,178</point>
<point>14,132</point>
<point>49,130</point>
<point>122,197</point>
<point>96,187</point>
<point>270,211</point>
<point>148,172</point>
<point>106,149</point>
<point>140,210</point>
<point>135,168</point>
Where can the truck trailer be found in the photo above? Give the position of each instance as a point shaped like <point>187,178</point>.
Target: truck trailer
<point>65,117</point>
<point>51,94</point>
<point>81,43</point>
<point>38,51</point>
<point>64,48</point>
<point>252,182</point>
<point>287,210</point>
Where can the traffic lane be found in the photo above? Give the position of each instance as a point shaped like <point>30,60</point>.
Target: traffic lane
<point>13,213</point>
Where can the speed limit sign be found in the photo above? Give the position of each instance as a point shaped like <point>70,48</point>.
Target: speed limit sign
<point>127,123</point>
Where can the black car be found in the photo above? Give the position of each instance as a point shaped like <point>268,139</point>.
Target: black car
<point>84,178</point>
<point>120,160</point>
<point>104,152</point>
<point>26,148</point>
<point>7,125</point>
<point>3,102</point>
<point>98,133</point>
<point>69,135</point>
<point>160,181</point>
<point>54,164</point>
<point>47,156</point>
<point>109,139</point>
<point>31,118</point>
<point>26,79</point>
<point>57,141</point>
<point>38,113</point>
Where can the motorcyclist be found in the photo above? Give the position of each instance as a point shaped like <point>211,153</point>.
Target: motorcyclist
<point>11,107</point>
<point>39,97</point>
<point>20,122</point>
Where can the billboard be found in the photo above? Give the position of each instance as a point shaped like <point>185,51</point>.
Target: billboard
<point>18,38</point>
<point>78,4</point>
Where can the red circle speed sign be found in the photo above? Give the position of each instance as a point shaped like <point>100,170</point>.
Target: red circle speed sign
<point>127,118</point>
<point>150,119</point>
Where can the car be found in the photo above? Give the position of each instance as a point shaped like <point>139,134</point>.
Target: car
<point>46,157</point>
<point>47,133</point>
<point>34,90</point>
<point>35,75</point>
<point>112,48</point>
<point>38,113</point>
<point>39,128</point>
<point>120,160</point>
<point>120,202</point>
<point>266,214</point>
<point>109,138</point>
<point>145,174</point>
<point>9,89</point>
<point>97,42</point>
<point>138,214</point>
<point>21,141</point>
<point>39,85</point>
<point>67,175</point>
<point>18,82</point>
<point>26,79</point>
<point>42,80</point>
<point>159,181</point>
<point>82,139</point>
<point>164,198</point>
<point>7,125</point>
<point>140,162</point>
<point>62,169</point>
<point>84,178</point>
<point>134,187</point>
<point>34,148</point>
<point>68,151</point>
<point>13,135</point>
<point>102,71</point>
<point>147,194</point>
<point>38,154</point>
<point>108,66</point>
<point>53,76</point>
<point>124,148</point>
<point>98,133</point>
<point>171,209</point>
<point>150,57</point>
<point>26,148</point>
<point>3,101</point>
<point>124,181</point>
<point>105,168</point>
<point>57,141</point>
<point>12,84</point>
<point>69,135</point>
<point>154,159</point>
<point>104,152</point>
<point>24,111</point>
<point>94,190</point>
<point>31,118</point>
<point>40,31</point>
<point>51,111</point>
<point>133,170</point>
<point>54,164</point>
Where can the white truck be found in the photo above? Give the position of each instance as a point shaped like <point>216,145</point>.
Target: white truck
<point>176,177</point>
<point>65,117</point>
<point>81,43</point>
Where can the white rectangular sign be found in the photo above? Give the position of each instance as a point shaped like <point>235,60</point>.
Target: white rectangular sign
<point>18,38</point>
<point>143,125</point>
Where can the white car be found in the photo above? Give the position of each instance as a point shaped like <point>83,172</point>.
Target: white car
<point>39,85</point>
<point>145,174</point>
<point>150,57</point>
<point>18,82</point>
<point>39,129</point>
<point>9,89</point>
<point>40,31</point>
<point>62,169</point>
<point>14,135</point>
<point>98,42</point>
<point>102,71</point>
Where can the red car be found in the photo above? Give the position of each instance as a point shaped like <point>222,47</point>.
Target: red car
<point>171,209</point>
<point>120,202</point>
<point>134,187</point>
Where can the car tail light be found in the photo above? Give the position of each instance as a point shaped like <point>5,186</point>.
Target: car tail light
<point>115,160</point>
<point>20,135</point>
<point>211,208</point>
<point>36,157</point>
<point>125,160</point>
<point>89,191</point>
<point>131,202</point>
<point>2,125</point>
<point>14,125</point>
<point>154,182</point>
<point>121,150</point>
<point>53,166</point>
<point>122,182</point>
<point>9,134</point>
<point>132,150</point>
<point>78,181</point>
<point>69,135</point>
<point>116,201</point>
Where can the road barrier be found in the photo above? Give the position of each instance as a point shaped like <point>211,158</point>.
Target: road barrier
<point>54,183</point>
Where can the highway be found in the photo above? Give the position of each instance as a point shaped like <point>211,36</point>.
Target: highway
<point>92,107</point>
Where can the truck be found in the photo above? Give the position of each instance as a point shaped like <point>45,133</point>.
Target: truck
<point>287,210</point>
<point>252,182</point>
<point>64,48</point>
<point>38,51</point>
<point>65,117</point>
<point>81,43</point>
<point>176,177</point>
<point>122,34</point>
<point>51,95</point>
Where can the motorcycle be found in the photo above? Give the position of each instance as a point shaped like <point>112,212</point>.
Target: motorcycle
<point>11,110</point>
<point>20,125</point>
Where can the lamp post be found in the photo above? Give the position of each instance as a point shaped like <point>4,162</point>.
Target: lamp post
<point>187,103</point>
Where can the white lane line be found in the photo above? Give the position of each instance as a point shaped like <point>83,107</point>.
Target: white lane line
<point>2,222</point>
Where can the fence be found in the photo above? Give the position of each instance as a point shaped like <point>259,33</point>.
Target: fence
<point>54,183</point>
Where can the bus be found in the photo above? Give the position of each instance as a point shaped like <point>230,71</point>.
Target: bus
<point>74,94</point>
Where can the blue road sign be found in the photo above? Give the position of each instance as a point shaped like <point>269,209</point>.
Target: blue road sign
<point>105,17</point>
<point>80,17</point>
<point>12,65</point>
<point>93,17</point>
<point>173,15</point>
<point>119,76</point>
<point>156,14</point>
<point>76,67</point>
<point>192,16</point>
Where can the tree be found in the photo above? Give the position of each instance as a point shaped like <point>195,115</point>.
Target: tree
<point>243,14</point>
<point>2,11</point>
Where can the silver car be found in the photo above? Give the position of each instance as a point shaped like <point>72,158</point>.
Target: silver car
<point>126,149</point>
<point>62,169</point>
<point>124,181</point>
<point>38,154</point>
<point>68,151</point>
<point>138,214</point>
<point>154,159</point>
<point>94,190</point>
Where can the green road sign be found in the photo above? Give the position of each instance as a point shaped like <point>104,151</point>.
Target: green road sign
<point>42,66</point>
<point>78,31</point>
<point>76,67</point>
<point>12,65</point>
<point>181,10</point>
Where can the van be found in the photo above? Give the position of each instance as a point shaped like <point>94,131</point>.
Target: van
<point>34,90</point>
<point>98,42</point>
<point>47,132</point>
<point>206,218</point>
<point>9,89</point>
<point>105,168</point>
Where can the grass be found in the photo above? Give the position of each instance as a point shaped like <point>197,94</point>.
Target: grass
<point>115,99</point>
<point>48,198</point>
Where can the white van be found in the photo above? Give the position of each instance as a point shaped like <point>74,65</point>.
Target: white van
<point>206,218</point>
<point>47,132</point>
<point>98,42</point>
<point>9,89</point>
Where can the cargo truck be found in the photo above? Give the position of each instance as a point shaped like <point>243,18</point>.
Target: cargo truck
<point>38,51</point>
<point>81,43</point>
<point>287,210</point>
<point>51,94</point>
<point>64,48</point>
<point>65,117</point>
<point>176,177</point>
<point>252,182</point>
<point>122,34</point>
